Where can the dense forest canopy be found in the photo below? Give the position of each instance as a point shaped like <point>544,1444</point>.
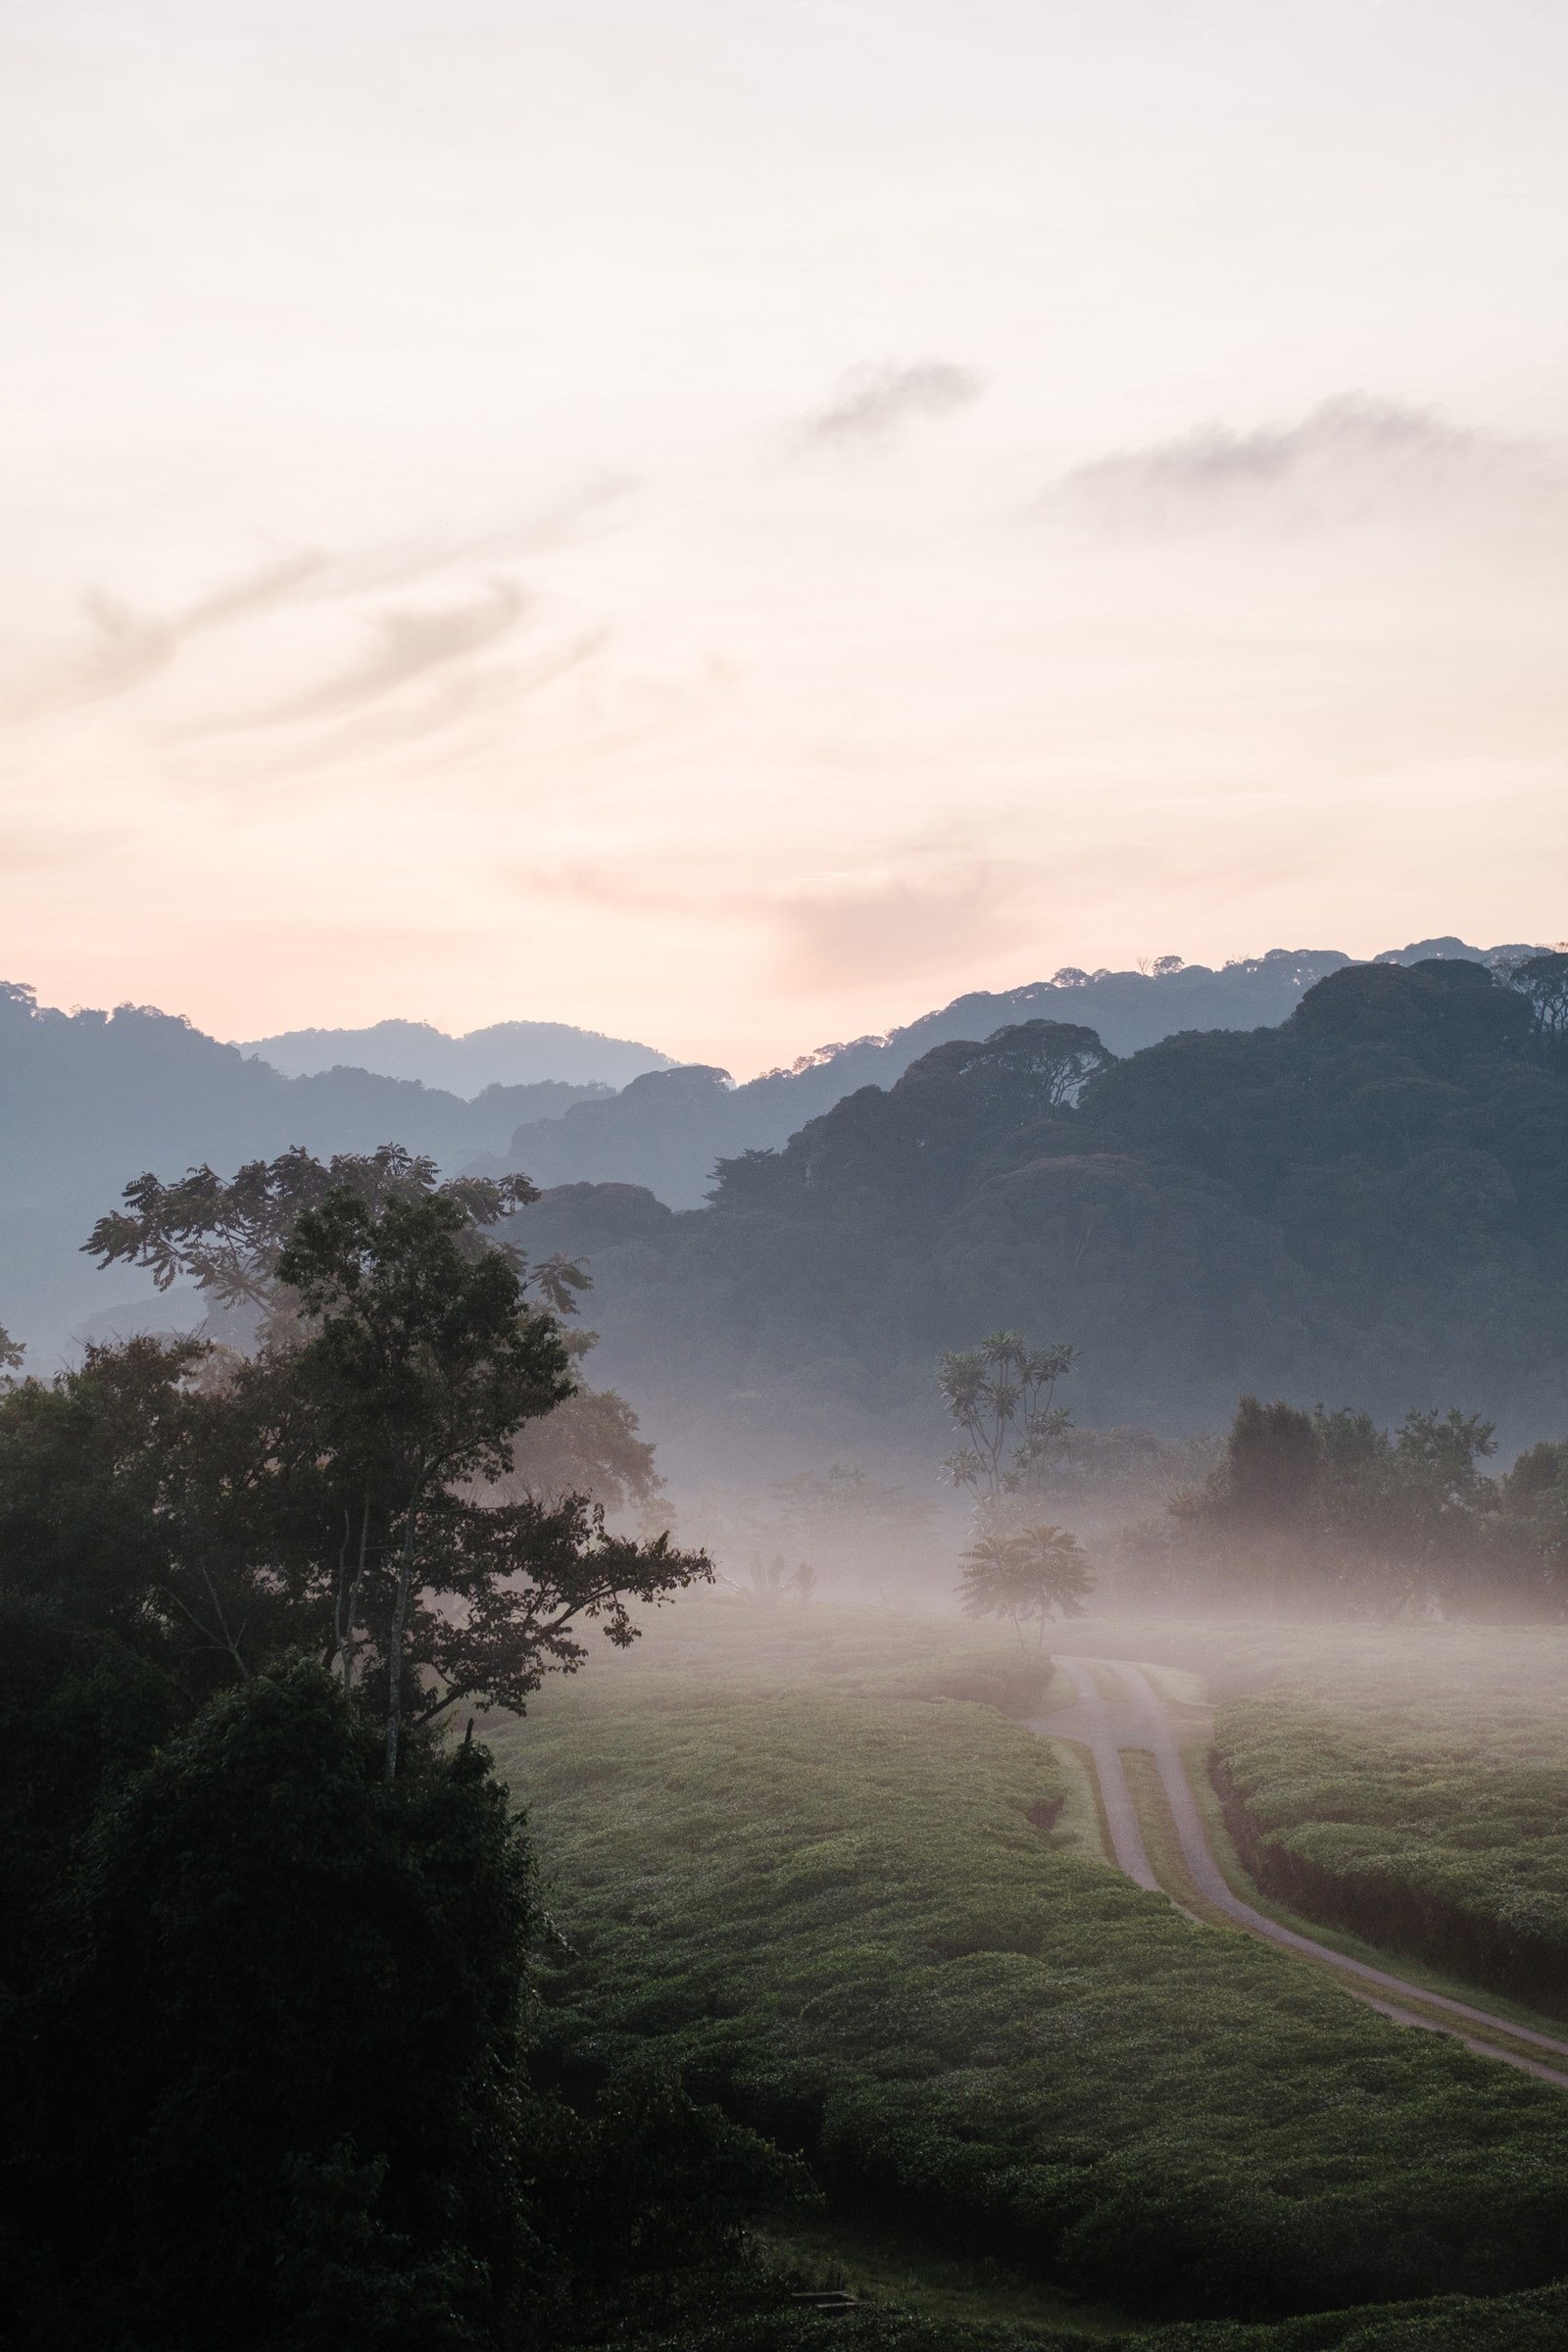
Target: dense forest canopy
<point>1367,1205</point>
<point>667,1129</point>
<point>265,1943</point>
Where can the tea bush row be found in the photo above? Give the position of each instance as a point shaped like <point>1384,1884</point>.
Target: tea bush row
<point>1431,1820</point>
<point>837,1915</point>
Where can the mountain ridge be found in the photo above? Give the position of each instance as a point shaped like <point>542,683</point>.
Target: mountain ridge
<point>89,1100</point>
<point>503,1054</point>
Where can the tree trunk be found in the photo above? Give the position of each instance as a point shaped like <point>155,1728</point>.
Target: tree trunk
<point>394,1647</point>
<point>356,1595</point>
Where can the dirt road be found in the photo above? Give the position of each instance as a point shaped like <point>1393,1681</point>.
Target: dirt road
<point>1139,1718</point>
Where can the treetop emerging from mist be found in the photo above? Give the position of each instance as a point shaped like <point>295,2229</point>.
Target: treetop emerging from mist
<point>1000,1397</point>
<point>228,1236</point>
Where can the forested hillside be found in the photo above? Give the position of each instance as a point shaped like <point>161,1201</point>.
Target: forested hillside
<point>1368,1203</point>
<point>668,1129</point>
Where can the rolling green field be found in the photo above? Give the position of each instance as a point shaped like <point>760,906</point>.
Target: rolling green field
<point>802,1854</point>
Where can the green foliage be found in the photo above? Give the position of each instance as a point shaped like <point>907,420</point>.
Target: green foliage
<point>767,2328</point>
<point>269,2081</point>
<point>218,1511</point>
<point>425,1362</point>
<point>188,1519</point>
<point>1425,1812</point>
<point>1023,1574</point>
<point>265,2064</point>
<point>1000,1395</point>
<point>229,1235</point>
<point>837,1913</point>
<point>1528,2322</point>
<point>79,1709</point>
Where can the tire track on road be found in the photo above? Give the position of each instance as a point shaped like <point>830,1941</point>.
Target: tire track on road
<point>1121,1814</point>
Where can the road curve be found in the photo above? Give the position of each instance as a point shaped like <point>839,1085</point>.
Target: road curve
<point>1151,1728</point>
<point>1121,1814</point>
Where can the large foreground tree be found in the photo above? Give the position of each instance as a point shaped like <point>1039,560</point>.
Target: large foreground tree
<point>348,1485</point>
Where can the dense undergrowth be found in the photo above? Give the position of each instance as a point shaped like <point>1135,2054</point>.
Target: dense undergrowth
<point>836,1912</point>
<point>1419,1802</point>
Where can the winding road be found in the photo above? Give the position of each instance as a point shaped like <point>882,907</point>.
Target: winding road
<point>1139,1718</point>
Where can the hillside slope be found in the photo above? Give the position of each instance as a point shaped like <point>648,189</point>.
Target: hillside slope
<point>669,1129</point>
<point>506,1053</point>
<point>89,1100</point>
<point>1368,1203</point>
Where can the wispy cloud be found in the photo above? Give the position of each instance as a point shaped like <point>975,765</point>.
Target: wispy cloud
<point>901,921</point>
<point>1350,459</point>
<point>408,642</point>
<point>916,909</point>
<point>873,405</point>
<point>127,647</point>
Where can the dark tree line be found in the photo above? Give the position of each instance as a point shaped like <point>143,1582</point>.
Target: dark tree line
<point>265,1936</point>
<point>1327,1509</point>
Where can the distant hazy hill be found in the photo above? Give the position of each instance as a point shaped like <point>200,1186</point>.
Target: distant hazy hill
<point>507,1054</point>
<point>668,1130</point>
<point>1367,1204</point>
<point>89,1100</point>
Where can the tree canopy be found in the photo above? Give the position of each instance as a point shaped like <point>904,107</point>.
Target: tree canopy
<point>1367,1202</point>
<point>350,1486</point>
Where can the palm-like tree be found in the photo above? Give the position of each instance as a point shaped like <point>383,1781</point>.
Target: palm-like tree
<point>1028,1573</point>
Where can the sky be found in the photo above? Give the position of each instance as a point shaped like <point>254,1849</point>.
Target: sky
<point>732,524</point>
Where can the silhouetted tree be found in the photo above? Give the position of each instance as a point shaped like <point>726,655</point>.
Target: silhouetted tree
<point>229,1235</point>
<point>358,1474</point>
<point>1027,1574</point>
<point>1329,1503</point>
<point>1543,982</point>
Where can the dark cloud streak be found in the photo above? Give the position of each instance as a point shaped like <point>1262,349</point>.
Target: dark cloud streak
<point>875,403</point>
<point>1350,459</point>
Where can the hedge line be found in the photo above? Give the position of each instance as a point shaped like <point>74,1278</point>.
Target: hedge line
<point>1418,1825</point>
<point>1534,2321</point>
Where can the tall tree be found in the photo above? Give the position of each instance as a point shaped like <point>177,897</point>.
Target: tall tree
<point>1542,981</point>
<point>1001,1395</point>
<point>426,1361</point>
<point>403,1347</point>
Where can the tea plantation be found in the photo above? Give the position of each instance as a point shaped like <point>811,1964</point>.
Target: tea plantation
<point>1422,1804</point>
<point>836,1907</point>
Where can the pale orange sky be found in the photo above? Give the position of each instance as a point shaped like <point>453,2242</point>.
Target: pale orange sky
<point>733,525</point>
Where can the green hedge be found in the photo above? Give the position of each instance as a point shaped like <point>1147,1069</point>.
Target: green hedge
<point>1434,1822</point>
<point>1528,2323</point>
<point>836,1914</point>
